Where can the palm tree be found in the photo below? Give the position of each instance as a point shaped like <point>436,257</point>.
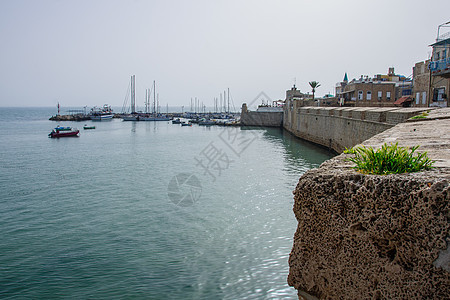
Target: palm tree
<point>314,85</point>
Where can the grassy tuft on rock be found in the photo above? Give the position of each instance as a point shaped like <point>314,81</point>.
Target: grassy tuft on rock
<point>389,159</point>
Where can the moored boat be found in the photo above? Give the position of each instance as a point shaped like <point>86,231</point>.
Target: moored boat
<point>154,117</point>
<point>130,117</point>
<point>100,117</point>
<point>88,127</point>
<point>103,114</point>
<point>64,132</point>
<point>62,128</point>
<point>206,122</point>
<point>186,124</point>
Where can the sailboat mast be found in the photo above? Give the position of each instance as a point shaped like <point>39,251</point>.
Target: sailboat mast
<point>133,94</point>
<point>225,101</point>
<point>228,100</point>
<point>146,98</point>
<point>154,97</point>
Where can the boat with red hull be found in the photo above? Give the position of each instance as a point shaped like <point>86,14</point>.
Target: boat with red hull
<point>64,132</point>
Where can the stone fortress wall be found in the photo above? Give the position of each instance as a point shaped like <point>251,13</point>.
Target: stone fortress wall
<point>343,127</point>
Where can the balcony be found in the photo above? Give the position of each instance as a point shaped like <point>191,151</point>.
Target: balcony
<point>440,67</point>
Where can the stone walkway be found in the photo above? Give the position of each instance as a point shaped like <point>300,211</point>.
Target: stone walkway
<point>432,134</point>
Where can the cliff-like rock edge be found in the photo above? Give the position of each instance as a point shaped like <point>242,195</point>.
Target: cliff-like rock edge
<point>376,237</point>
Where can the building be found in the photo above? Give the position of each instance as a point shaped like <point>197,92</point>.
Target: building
<point>294,94</point>
<point>421,84</point>
<point>431,78</point>
<point>379,91</point>
<point>439,67</point>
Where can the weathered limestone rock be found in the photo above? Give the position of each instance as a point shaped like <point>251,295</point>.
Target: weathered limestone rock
<point>376,237</point>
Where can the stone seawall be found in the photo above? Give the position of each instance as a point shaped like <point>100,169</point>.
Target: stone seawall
<point>340,128</point>
<point>264,119</point>
<point>376,237</point>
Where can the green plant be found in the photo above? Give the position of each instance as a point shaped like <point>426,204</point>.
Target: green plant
<point>389,159</point>
<point>421,116</point>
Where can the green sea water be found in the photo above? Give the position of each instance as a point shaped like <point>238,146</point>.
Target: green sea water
<point>146,210</point>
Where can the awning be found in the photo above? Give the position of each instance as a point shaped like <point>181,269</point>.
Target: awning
<point>403,99</point>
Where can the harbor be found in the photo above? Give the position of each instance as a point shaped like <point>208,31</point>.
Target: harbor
<point>220,115</point>
<point>225,119</point>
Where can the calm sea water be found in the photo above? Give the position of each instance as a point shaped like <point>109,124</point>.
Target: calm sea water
<point>146,210</point>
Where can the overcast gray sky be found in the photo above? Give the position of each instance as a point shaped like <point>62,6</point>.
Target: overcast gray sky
<point>84,52</point>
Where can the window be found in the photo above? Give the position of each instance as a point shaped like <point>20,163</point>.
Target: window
<point>438,57</point>
<point>360,95</point>
<point>439,94</point>
<point>388,95</point>
<point>380,95</point>
<point>417,98</point>
<point>444,54</point>
<point>369,95</point>
<point>424,98</point>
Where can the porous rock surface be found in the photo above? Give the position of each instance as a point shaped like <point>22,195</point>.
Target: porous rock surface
<point>375,237</point>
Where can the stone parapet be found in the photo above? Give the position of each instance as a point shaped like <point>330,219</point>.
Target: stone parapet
<point>340,128</point>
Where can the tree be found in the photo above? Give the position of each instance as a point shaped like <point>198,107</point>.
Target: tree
<point>314,85</point>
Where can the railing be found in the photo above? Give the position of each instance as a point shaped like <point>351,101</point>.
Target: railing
<point>439,64</point>
<point>443,36</point>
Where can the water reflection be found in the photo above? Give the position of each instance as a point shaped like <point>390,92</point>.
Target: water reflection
<point>299,155</point>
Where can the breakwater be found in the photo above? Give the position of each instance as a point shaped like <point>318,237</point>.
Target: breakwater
<point>77,117</point>
<point>368,236</point>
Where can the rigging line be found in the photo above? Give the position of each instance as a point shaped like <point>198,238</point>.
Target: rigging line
<point>232,102</point>
<point>125,101</point>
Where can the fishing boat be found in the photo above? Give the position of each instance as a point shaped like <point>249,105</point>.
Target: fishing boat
<point>176,121</point>
<point>103,114</point>
<point>64,132</point>
<point>186,124</point>
<point>88,127</point>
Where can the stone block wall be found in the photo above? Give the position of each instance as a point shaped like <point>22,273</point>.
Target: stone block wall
<point>370,237</point>
<point>269,119</point>
<point>340,128</point>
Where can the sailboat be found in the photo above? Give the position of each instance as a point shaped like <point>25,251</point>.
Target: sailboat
<point>154,116</point>
<point>133,116</point>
